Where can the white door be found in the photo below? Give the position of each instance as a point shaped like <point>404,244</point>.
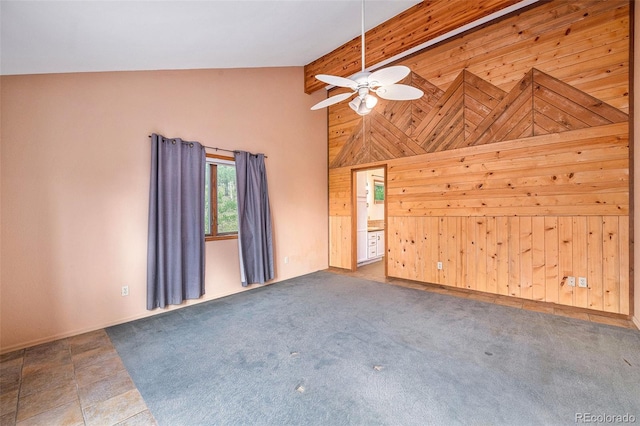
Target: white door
<point>361,209</point>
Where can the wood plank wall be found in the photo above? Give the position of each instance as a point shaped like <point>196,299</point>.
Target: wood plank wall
<point>513,169</point>
<point>517,218</point>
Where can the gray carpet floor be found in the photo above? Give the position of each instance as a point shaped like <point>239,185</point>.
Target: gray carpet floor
<point>326,349</point>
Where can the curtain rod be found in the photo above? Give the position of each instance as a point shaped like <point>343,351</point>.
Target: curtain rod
<point>218,149</point>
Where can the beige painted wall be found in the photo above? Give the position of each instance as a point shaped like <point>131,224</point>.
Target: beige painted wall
<point>74,175</point>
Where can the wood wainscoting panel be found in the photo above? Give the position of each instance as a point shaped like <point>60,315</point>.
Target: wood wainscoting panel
<point>551,259</point>
<point>565,260</point>
<point>595,261</point>
<point>552,249</point>
<point>340,242</point>
<point>502,257</point>
<point>624,270</point>
<point>610,264</point>
<point>580,259</point>
<point>526,257</point>
<point>403,259</point>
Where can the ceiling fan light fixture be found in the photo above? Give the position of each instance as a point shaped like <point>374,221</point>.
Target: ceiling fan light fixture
<point>370,101</point>
<point>355,104</point>
<point>383,82</point>
<point>360,106</point>
<point>363,110</point>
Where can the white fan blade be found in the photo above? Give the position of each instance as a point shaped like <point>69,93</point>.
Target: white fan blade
<point>399,92</point>
<point>334,80</point>
<point>387,76</point>
<point>332,100</point>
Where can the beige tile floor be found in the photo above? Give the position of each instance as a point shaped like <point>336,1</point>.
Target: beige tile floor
<point>81,380</point>
<point>75,381</point>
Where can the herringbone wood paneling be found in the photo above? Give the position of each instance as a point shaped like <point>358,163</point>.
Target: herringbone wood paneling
<point>443,126</point>
<point>481,97</point>
<point>473,112</point>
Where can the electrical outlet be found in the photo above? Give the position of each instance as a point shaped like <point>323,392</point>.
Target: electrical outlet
<point>125,290</point>
<point>439,265</point>
<point>286,259</point>
<point>582,282</point>
<point>571,281</point>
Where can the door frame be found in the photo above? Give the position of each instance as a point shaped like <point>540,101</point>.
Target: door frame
<point>354,217</point>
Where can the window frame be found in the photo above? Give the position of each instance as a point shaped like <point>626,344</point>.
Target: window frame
<point>212,161</point>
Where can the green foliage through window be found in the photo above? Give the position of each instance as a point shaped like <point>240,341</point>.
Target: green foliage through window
<point>227,200</point>
<point>221,202</point>
<point>378,191</point>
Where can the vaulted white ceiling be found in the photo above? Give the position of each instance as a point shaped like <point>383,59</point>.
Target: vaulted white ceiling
<point>52,36</point>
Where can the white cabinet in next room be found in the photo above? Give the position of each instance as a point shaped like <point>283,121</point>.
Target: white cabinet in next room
<point>375,244</point>
<point>380,245</point>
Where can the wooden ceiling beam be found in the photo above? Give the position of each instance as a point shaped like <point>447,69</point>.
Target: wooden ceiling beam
<point>413,27</point>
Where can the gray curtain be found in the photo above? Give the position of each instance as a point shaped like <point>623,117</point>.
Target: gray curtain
<point>175,257</point>
<point>254,219</point>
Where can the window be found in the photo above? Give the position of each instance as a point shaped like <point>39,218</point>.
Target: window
<point>378,191</point>
<point>220,198</point>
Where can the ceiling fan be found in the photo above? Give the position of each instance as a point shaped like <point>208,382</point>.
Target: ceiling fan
<point>382,82</point>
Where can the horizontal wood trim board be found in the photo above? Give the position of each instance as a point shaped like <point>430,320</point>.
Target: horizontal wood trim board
<point>543,180</point>
<point>573,139</point>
